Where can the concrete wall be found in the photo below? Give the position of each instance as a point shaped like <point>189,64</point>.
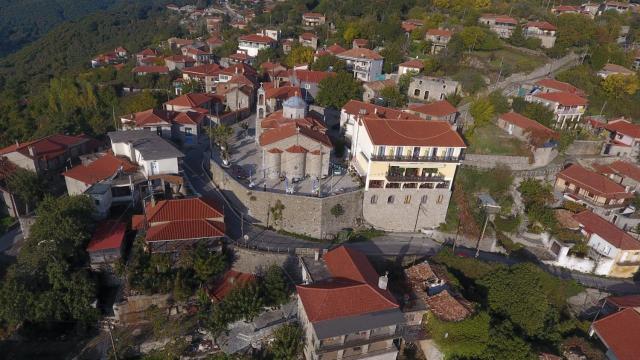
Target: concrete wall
<point>301,214</point>
<point>491,161</point>
<point>75,187</point>
<point>400,215</point>
<point>585,147</point>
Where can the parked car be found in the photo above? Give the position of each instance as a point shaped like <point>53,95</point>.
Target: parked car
<point>238,172</point>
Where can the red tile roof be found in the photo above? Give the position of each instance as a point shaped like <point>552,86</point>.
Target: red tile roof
<point>109,234</point>
<point>500,18</point>
<point>620,333</point>
<point>151,116</point>
<point>229,281</point>
<point>282,92</point>
<point>413,63</point>
<point>560,86</point>
<point>102,168</point>
<point>353,289</point>
<point>566,8</point>
<point>542,25</point>
<point>360,53</point>
<point>192,100</point>
<point>308,36</point>
<point>147,52</point>
<point>412,133</point>
<point>525,123</point>
<point>447,308</point>
<point>594,224</point>
<point>622,168</point>
<point>189,118</point>
<point>563,98</point>
<point>615,68</point>
<point>47,147</point>
<point>7,168</point>
<point>288,130</point>
<point>624,127</point>
<point>203,70</point>
<point>310,76</point>
<point>336,49</point>
<point>593,182</point>
<point>183,209</point>
<point>151,69</point>
<point>438,108</point>
<point>353,107</point>
<point>440,32</point>
<point>623,302</point>
<point>185,230</point>
<point>361,42</point>
<point>180,59</point>
<point>256,38</point>
<point>312,15</point>
<point>296,149</point>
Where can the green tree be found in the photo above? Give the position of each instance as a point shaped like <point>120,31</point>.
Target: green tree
<point>287,342</point>
<point>299,55</point>
<point>326,62</point>
<point>181,289</point>
<point>500,102</point>
<point>393,55</point>
<point>267,54</point>
<point>275,286</point>
<point>393,97</point>
<point>482,112</point>
<point>207,264</point>
<point>192,86</point>
<point>464,339</point>
<point>335,91</point>
<point>27,186</point>
<point>534,111</point>
<point>620,84</point>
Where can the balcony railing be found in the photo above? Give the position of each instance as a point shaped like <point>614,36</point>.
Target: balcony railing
<point>360,341</point>
<point>417,158</point>
<point>413,178</point>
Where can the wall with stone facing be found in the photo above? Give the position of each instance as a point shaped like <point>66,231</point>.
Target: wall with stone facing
<point>401,216</point>
<point>491,161</point>
<point>301,214</point>
<point>585,147</point>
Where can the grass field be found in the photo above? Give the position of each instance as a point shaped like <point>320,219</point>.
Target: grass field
<point>491,140</point>
<point>513,61</point>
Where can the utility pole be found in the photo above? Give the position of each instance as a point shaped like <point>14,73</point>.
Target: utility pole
<point>113,345</point>
<point>484,227</point>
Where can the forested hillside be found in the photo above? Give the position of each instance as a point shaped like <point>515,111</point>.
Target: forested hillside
<point>20,23</point>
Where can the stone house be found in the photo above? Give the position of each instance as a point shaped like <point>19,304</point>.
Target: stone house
<point>179,62</point>
<point>428,88</point>
<point>500,24</point>
<point>309,40</point>
<point>207,75</point>
<point>371,89</point>
<point>414,66</point>
<point>542,30</point>
<point>439,39</point>
<point>312,19</point>
<point>438,110</point>
<point>408,167</point>
<point>542,140</point>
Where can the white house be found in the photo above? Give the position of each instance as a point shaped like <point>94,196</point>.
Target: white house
<point>251,44</point>
<point>366,64</point>
<point>567,107</point>
<point>542,30</point>
<point>153,154</point>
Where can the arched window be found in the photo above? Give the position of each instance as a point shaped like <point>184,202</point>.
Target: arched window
<point>374,199</point>
<point>424,199</point>
<point>391,199</point>
<point>260,113</point>
<point>261,99</point>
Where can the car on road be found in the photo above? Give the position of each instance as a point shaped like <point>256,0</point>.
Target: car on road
<point>239,172</point>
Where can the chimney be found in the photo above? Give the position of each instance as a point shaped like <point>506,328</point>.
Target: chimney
<point>375,111</point>
<point>383,281</point>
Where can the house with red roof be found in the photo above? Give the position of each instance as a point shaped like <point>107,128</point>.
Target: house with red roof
<point>528,130</point>
<point>614,69</point>
<point>624,173</point>
<point>307,80</point>
<point>156,120</point>
<point>309,40</point>
<point>565,9</point>
<point>195,102</point>
<point>360,43</point>
<point>49,154</point>
<point>372,90</point>
<point>207,75</point>
<point>145,54</point>
<point>567,107</point>
<point>618,332</point>
<point>441,110</point>
<point>334,50</point>
<point>411,66</point>
<point>251,44</point>
<point>345,308</point>
<point>198,55</point>
<point>502,25</point>
<point>8,201</point>
<point>617,303</point>
<point>411,24</point>
<point>542,30</point>
<point>439,39</point>
<point>107,243</point>
<point>356,109</point>
<point>228,282</point>
<point>312,19</point>
<point>617,252</point>
<point>293,143</point>
<point>597,192</point>
<point>365,64</point>
<point>549,85</point>
<point>408,167</point>
<point>623,140</point>
<point>173,225</point>
<point>179,62</point>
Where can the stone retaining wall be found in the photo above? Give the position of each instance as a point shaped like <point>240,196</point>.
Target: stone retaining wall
<point>306,215</point>
<point>585,147</point>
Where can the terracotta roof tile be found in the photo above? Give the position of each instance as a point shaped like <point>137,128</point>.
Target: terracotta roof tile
<point>412,133</point>
<point>50,146</point>
<point>274,135</point>
<point>336,49</point>
<point>282,92</point>
<point>593,182</point>
<point>446,307</point>
<point>192,100</point>
<point>623,302</point>
<point>189,118</point>
<point>542,25</point>
<point>438,108</point>
<point>256,38</point>
<point>310,76</point>
<point>312,15</point>
<point>102,168</point>
<point>413,63</point>
<point>183,209</point>
<point>229,281</point>
<point>353,107</point>
<point>151,116</point>
<point>203,70</point>
<point>185,230</point>
<point>620,333</point>
<point>296,149</point>
<point>525,123</point>
<point>360,53</point>
<point>353,289</point>
<point>594,224</point>
<point>109,234</point>
<point>624,127</point>
<point>560,86</point>
<point>563,98</point>
<point>440,32</point>
<point>622,168</point>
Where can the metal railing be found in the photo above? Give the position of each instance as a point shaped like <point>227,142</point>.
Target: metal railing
<point>361,341</point>
<point>417,158</point>
<point>413,178</point>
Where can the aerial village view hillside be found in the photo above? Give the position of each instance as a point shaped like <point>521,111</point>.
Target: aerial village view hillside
<point>320,179</point>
